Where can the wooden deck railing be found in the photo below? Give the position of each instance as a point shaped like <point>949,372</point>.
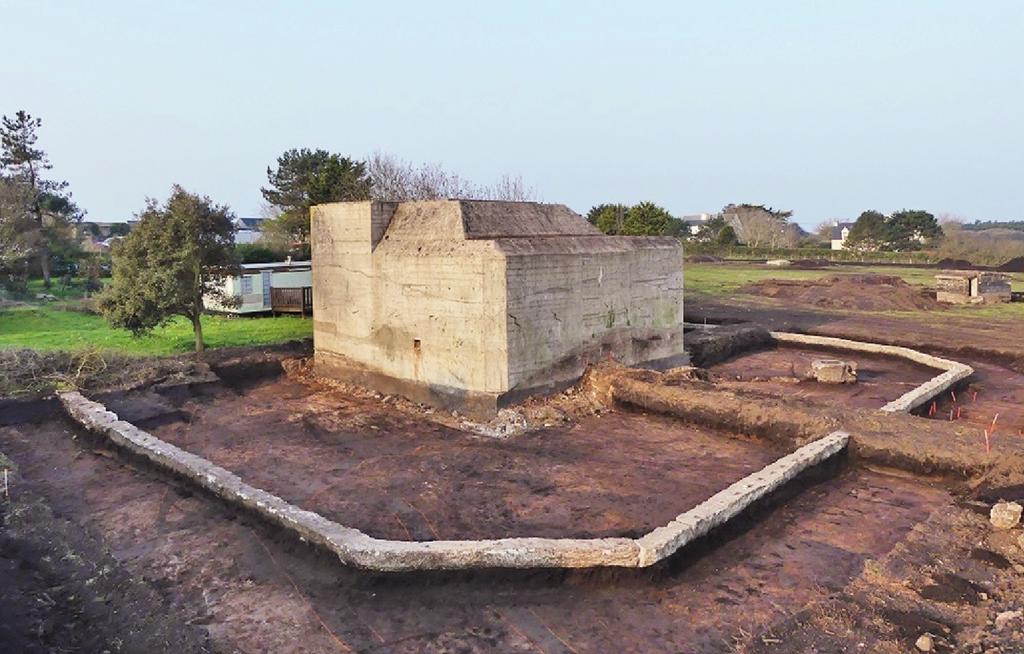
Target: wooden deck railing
<point>292,300</point>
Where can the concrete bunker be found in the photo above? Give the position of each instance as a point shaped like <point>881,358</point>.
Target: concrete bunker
<point>973,287</point>
<point>472,305</point>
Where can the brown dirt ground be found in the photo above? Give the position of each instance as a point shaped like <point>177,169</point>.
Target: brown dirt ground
<point>783,371</point>
<point>846,291</point>
<point>864,560</point>
<point>395,475</point>
<point>252,591</point>
<point>998,341</point>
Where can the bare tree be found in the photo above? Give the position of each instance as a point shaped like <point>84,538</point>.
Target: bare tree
<point>760,226</point>
<point>394,179</point>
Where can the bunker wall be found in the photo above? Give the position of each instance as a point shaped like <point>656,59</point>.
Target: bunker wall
<point>569,310</point>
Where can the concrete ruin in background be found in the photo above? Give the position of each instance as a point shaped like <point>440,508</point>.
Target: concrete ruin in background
<point>972,287</point>
<point>475,304</point>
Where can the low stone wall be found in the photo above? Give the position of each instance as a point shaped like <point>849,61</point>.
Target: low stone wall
<point>353,547</point>
<point>954,372</point>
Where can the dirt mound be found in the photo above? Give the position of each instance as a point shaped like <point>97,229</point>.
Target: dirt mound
<point>859,292</point>
<point>955,264</point>
<point>704,258</point>
<point>1013,265</point>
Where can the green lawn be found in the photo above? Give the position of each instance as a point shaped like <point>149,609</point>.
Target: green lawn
<point>73,292</point>
<point>49,328</point>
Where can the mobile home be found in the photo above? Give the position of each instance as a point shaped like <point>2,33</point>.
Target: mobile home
<point>283,287</point>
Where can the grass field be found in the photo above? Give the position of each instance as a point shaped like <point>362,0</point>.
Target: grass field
<point>49,328</point>
<point>718,278</point>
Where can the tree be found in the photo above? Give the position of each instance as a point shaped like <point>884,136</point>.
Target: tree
<point>646,219</point>
<point>726,237</point>
<point>17,233</point>
<point>910,229</point>
<point>869,233</point>
<point>307,177</point>
<point>178,253</point>
<point>22,163</point>
<point>759,226</point>
<point>395,180</point>
<point>711,228</point>
<point>608,218</point>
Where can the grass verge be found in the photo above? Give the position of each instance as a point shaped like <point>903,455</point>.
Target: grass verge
<point>49,329</point>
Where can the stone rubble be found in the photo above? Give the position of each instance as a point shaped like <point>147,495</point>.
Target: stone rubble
<point>1005,515</point>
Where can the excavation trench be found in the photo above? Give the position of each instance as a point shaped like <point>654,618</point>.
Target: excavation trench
<point>254,587</point>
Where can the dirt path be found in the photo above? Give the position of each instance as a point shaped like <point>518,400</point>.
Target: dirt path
<point>254,592</point>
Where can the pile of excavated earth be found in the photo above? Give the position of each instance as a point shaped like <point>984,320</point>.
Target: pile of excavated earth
<point>867,292</point>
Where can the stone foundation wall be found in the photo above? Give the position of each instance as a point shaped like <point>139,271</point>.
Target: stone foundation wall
<point>355,548</point>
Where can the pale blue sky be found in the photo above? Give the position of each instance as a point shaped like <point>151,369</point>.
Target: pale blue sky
<point>825,108</point>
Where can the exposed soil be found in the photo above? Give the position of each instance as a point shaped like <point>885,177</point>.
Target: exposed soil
<point>955,264</point>
<point>783,371</point>
<point>252,591</point>
<point>846,291</point>
<point>1013,265</point>
<point>356,461</point>
<point>98,552</point>
<point>965,338</point>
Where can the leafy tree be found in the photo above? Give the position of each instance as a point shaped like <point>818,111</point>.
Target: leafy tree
<point>46,201</point>
<point>306,177</point>
<point>726,237</point>
<point>646,219</point>
<point>709,230</point>
<point>910,229</point>
<point>120,229</point>
<point>17,233</point>
<point>869,233</point>
<point>257,253</point>
<point>177,253</point>
<point>609,218</point>
<point>678,228</point>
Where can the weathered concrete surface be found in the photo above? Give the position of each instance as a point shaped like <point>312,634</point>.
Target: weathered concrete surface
<point>834,371</point>
<point>355,548</point>
<point>719,508</point>
<point>954,372</point>
<point>973,287</point>
<point>468,304</point>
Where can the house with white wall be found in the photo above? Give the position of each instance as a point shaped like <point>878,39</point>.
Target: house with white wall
<point>840,232</point>
<point>248,230</point>
<point>281,287</point>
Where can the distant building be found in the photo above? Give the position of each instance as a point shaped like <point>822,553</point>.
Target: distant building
<point>840,232</point>
<point>695,221</point>
<point>283,287</point>
<point>248,230</point>
<point>972,287</point>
